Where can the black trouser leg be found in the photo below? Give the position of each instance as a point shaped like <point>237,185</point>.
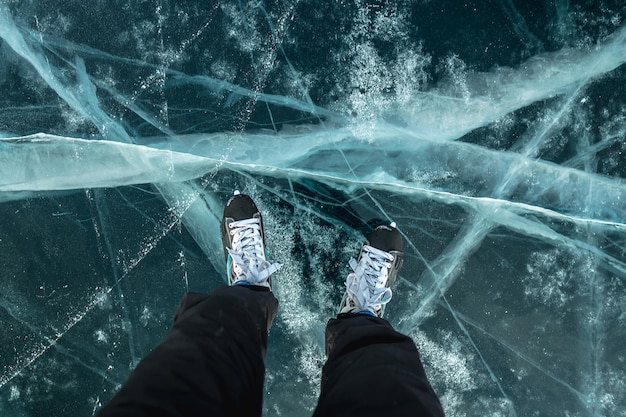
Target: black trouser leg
<point>372,370</point>
<point>209,364</point>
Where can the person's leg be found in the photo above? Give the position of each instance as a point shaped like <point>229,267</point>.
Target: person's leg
<point>373,370</point>
<point>209,363</point>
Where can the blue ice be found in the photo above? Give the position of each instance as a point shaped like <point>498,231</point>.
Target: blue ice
<point>515,266</point>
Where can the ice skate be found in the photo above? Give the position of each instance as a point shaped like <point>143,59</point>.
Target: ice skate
<point>368,286</point>
<point>243,239</point>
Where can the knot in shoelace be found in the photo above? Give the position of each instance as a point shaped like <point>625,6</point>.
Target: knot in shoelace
<point>367,285</point>
<point>248,252</point>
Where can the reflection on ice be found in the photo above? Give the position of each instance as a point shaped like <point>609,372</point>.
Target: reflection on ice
<point>507,183</point>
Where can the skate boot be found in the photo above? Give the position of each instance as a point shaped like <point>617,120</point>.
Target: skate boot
<point>243,239</point>
<point>380,259</point>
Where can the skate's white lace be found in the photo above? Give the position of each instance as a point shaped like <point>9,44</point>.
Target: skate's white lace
<point>366,286</point>
<point>248,254</point>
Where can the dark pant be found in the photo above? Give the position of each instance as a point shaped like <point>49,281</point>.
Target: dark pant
<point>211,364</point>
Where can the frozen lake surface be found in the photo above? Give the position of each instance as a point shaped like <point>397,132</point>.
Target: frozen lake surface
<point>492,132</point>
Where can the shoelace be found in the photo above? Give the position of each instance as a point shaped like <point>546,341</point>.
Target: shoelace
<point>247,253</point>
<point>367,284</point>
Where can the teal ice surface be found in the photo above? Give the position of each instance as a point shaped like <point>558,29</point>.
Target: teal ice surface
<point>492,133</point>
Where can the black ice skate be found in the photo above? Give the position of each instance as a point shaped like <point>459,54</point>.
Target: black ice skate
<point>380,259</point>
<point>243,239</point>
